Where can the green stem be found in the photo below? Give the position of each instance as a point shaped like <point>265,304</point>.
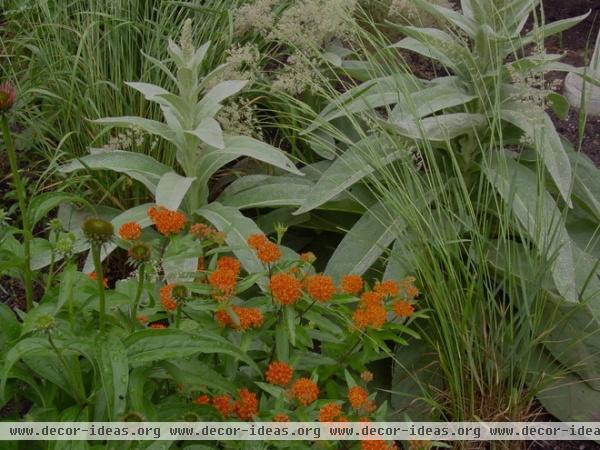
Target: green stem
<point>99,283</point>
<point>20,190</point>
<point>138,295</point>
<point>178,315</point>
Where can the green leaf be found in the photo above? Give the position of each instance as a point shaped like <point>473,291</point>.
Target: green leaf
<point>151,126</point>
<point>138,166</point>
<point>222,91</point>
<point>210,132</point>
<point>29,346</point>
<point>113,368</point>
<point>237,229</point>
<point>539,127</point>
<point>440,128</point>
<point>193,373</point>
<point>461,21</point>
<point>539,216</point>
<point>364,243</point>
<point>441,93</point>
<point>246,146</point>
<point>11,328</point>
<point>171,190</point>
<point>158,345</point>
<point>42,204</point>
<point>150,91</point>
<point>586,185</point>
<point>551,28</point>
<point>271,192</point>
<point>354,164</point>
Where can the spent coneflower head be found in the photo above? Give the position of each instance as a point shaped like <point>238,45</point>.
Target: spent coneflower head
<point>98,231</point>
<point>8,95</point>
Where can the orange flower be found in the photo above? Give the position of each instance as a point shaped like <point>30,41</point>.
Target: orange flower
<point>158,326</point>
<point>223,282</point>
<point>305,391</point>
<point>248,317</point>
<point>201,231</point>
<point>320,287</point>
<point>377,316</point>
<point>409,288</point>
<point>247,405</point>
<point>257,240</point>
<point>357,396</point>
<point>378,445</point>
<point>366,376</point>
<point>361,318</point>
<point>352,284</point>
<point>230,263</point>
<point>142,319</point>
<point>388,287</point>
<point>266,251</point>
<point>92,276</point>
<point>279,373</point>
<point>308,257</point>
<point>281,417</point>
<point>402,308</point>
<point>223,404</point>
<point>329,412</point>
<point>166,297</point>
<point>223,318</point>
<point>202,400</point>
<point>166,221</point>
<point>130,231</point>
<point>286,290</point>
<point>371,299</point>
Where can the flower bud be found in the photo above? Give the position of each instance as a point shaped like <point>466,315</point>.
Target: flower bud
<point>140,253</point>
<point>7,97</point>
<point>97,230</point>
<point>44,322</point>
<point>179,292</point>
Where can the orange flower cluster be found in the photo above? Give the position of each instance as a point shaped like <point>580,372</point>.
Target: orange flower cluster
<point>352,284</point>
<point>266,251</point>
<point>279,373</point>
<point>130,231</point>
<point>166,297</point>
<point>320,287</point>
<point>229,263</point>
<point>223,281</point>
<point>286,289</point>
<point>371,312</point>
<point>357,397</point>
<point>388,288</point>
<point>223,404</point>
<point>248,318</point>
<point>308,257</point>
<point>167,221</point>
<point>378,445</point>
<point>246,406</point>
<point>203,231</point>
<point>403,308</point>
<point>305,391</point>
<point>329,412</point>
<point>157,325</point>
<point>366,376</point>
<point>281,417</point>
<point>202,400</point>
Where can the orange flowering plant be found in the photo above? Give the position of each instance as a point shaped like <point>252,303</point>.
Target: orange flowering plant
<point>263,338</point>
